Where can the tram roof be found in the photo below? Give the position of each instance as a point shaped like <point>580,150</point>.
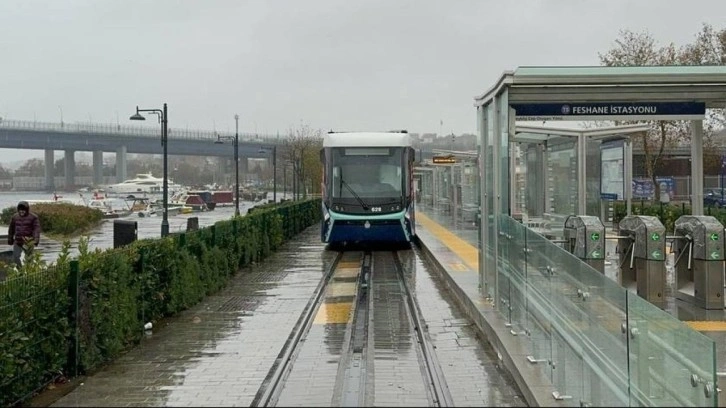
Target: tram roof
<point>366,139</point>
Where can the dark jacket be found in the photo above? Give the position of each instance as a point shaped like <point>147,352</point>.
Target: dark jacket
<point>21,227</point>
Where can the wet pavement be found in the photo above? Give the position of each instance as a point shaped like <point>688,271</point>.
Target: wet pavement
<point>461,353</point>
<point>218,352</point>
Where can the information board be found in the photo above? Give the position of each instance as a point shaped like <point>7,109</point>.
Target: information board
<point>612,170</point>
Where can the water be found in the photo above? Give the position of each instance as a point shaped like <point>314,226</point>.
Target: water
<point>102,236</point>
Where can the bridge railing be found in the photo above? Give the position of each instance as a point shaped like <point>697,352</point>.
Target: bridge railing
<point>135,131</point>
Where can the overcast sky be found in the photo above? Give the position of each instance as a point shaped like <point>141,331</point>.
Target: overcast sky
<point>330,64</point>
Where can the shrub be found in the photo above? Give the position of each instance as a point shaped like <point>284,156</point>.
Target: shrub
<point>60,218</point>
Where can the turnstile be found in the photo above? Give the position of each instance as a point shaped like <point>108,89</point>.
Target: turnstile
<point>699,254</point>
<point>641,250</point>
<point>585,238</point>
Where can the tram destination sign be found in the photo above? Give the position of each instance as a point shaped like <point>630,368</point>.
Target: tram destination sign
<point>611,111</point>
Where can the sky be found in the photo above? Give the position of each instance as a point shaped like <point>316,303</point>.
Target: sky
<point>281,64</point>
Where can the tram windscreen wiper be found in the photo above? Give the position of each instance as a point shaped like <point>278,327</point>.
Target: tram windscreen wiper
<point>362,203</point>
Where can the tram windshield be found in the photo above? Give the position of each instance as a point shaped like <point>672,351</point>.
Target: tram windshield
<point>373,172</point>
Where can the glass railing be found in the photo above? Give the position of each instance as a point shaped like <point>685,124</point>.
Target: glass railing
<point>599,344</point>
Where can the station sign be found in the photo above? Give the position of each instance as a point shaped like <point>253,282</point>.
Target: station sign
<point>444,159</point>
<point>610,111</point>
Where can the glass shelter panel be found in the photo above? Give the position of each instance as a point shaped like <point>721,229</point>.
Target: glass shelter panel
<point>469,194</point>
<point>515,237</point>
<point>538,308</point>
<point>562,177</point>
<point>592,178</point>
<point>670,364</point>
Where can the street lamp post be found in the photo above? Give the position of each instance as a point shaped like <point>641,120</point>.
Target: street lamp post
<point>274,170</point>
<point>235,140</point>
<point>163,116</point>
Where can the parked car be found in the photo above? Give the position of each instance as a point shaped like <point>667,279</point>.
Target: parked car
<point>714,197</point>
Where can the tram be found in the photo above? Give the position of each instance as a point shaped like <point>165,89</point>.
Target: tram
<point>367,186</point>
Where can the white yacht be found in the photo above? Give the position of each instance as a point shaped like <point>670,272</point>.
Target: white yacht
<point>143,183</point>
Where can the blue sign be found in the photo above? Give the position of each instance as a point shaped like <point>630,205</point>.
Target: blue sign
<point>610,110</point>
<point>643,187</point>
<point>608,196</point>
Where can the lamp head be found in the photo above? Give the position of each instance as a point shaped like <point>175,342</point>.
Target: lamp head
<point>137,116</point>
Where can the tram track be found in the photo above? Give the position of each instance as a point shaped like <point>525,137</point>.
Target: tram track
<point>273,383</point>
<point>385,351</point>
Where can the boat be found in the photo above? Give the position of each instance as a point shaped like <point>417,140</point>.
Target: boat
<point>207,196</point>
<point>252,194</point>
<point>105,205</point>
<point>193,201</point>
<point>141,206</point>
<point>223,198</point>
<point>142,183</point>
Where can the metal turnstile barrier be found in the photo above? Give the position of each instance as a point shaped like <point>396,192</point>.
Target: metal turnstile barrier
<point>641,251</point>
<point>699,260</point>
<point>585,238</point>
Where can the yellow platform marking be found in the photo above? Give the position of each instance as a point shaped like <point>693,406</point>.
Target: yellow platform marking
<point>706,325</point>
<point>348,264</point>
<point>467,252</point>
<point>346,272</point>
<point>333,313</point>
<point>458,266</point>
<point>337,289</point>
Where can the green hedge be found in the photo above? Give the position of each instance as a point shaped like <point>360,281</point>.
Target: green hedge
<point>122,289</point>
<point>59,218</point>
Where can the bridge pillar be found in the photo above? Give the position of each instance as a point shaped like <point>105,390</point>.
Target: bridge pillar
<point>243,168</point>
<point>97,167</point>
<point>70,167</point>
<point>221,172</point>
<point>49,170</point>
<point>121,164</point>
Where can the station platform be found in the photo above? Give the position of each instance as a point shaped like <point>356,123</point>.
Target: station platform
<point>219,352</point>
<point>454,245</point>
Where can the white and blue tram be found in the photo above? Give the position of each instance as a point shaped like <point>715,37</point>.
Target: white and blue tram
<point>367,188</point>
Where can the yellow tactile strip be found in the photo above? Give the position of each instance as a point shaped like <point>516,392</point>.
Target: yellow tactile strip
<point>333,313</point>
<point>706,325</point>
<point>467,252</point>
<point>339,296</point>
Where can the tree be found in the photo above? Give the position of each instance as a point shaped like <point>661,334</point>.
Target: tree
<point>301,149</point>
<point>5,173</point>
<point>32,167</point>
<point>709,48</point>
<point>640,49</point>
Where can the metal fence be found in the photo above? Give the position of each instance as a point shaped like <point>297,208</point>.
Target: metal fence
<point>34,328</point>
